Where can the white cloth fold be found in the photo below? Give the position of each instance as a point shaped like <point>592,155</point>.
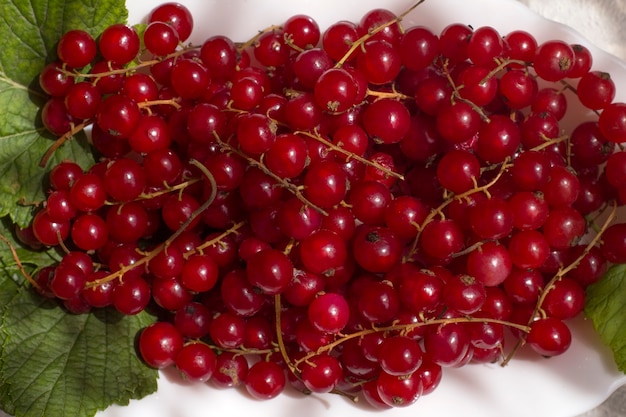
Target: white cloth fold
<point>603,22</point>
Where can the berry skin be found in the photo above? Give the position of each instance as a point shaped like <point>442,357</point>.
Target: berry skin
<point>549,336</point>
<point>322,373</point>
<point>596,90</point>
<point>484,46</point>
<point>119,44</point>
<point>457,122</point>
<point>325,184</point>
<point>400,355</point>
<point>329,313</point>
<point>612,122</point>
<point>175,15</point>
<point>118,115</point>
<point>490,263</point>
<point>335,90</point>
<point>124,179</point>
<point>159,344</point>
<point>67,282</point>
<point>553,60</point>
<point>265,380</point>
<point>48,231</point>
<point>386,121</point>
<point>219,55</point>
<point>53,81</point>
<point>418,47</point>
<point>55,117</point>
<point>458,170</point>
<point>323,251</point>
<point>199,273</point>
<point>270,271</point>
<point>189,78</point>
<point>376,249</point>
<point>338,37</point>
<point>614,243</point>
<point>82,100</point>
<point>302,31</point>
<point>442,238</point>
<point>131,296</point>
<point>89,232</point>
<point>160,38</point>
<point>76,48</point>
<point>196,362</point>
<point>398,391</point>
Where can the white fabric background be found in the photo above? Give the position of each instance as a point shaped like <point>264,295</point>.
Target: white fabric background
<point>602,21</point>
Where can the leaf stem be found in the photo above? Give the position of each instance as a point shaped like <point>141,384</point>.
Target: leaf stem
<point>61,140</point>
<point>19,264</point>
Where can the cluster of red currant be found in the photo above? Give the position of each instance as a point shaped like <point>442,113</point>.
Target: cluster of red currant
<point>347,211</point>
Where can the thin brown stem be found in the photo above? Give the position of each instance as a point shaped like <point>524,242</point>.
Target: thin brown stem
<point>388,94</point>
<point>292,188</point>
<point>19,264</point>
<point>501,65</point>
<point>549,142</point>
<point>215,240</point>
<point>406,328</point>
<point>61,140</point>
<point>350,155</point>
<point>560,274</point>
<point>359,42</point>
<point>202,207</point>
<point>439,210</point>
<point>166,102</point>
<point>252,40</point>
<point>81,126</point>
<point>279,335</point>
<point>457,96</point>
<point>140,65</point>
<point>167,190</point>
<point>163,246</point>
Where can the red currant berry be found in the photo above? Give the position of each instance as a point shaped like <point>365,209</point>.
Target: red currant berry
<point>176,15</point>
<point>119,44</point>
<point>159,344</point>
<point>76,48</point>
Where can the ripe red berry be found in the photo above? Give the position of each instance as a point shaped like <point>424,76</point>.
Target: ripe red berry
<point>119,44</point>
<point>176,15</point>
<point>76,48</point>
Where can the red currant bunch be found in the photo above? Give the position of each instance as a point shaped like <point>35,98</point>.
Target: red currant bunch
<point>347,209</point>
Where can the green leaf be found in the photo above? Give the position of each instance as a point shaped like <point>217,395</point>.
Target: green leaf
<point>21,178</point>
<point>55,363</point>
<point>8,290</point>
<point>27,256</point>
<point>29,32</point>
<point>60,364</point>
<point>52,363</point>
<point>605,306</point>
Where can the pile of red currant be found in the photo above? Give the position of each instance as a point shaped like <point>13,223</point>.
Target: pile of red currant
<point>348,210</point>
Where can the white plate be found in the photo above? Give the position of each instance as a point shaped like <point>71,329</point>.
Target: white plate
<point>563,386</point>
